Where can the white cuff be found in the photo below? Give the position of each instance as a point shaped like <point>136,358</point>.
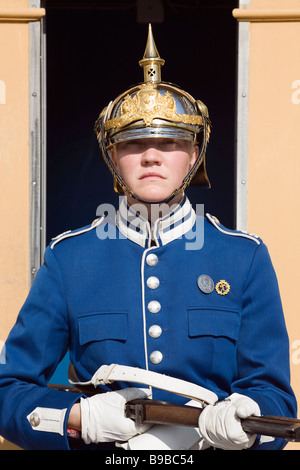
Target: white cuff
<point>47,420</point>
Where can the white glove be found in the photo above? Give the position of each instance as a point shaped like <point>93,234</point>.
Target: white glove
<point>103,416</point>
<point>220,424</point>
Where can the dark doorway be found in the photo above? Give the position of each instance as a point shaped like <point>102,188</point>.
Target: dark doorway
<point>93,49</point>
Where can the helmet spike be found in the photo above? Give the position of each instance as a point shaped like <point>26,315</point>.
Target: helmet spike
<point>151,61</point>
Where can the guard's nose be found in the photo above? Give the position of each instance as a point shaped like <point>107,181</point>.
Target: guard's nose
<point>151,156</point>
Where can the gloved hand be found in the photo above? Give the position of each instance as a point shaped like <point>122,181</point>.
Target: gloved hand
<point>103,416</point>
<point>220,424</point>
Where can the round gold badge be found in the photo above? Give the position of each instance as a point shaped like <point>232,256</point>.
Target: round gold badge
<point>222,287</point>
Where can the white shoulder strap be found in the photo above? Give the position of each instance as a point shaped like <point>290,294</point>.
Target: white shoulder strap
<point>235,233</point>
<point>114,372</point>
<point>74,233</point>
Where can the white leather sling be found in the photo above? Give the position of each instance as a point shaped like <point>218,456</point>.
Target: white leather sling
<point>107,374</point>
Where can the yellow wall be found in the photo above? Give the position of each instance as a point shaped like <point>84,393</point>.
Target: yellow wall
<point>14,167</point>
<point>14,163</point>
<point>274,150</point>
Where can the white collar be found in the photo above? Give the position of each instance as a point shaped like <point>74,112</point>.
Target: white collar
<point>133,223</point>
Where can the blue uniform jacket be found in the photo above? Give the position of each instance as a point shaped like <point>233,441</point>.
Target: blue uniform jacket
<point>102,297</point>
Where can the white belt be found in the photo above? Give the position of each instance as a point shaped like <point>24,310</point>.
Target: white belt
<point>114,372</point>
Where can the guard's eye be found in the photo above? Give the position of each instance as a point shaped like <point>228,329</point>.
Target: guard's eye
<point>168,143</point>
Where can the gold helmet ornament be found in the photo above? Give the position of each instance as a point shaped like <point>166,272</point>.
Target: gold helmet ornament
<point>154,109</point>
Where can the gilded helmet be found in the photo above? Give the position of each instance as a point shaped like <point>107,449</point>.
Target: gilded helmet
<point>154,109</point>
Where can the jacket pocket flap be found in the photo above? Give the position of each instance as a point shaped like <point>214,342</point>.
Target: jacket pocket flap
<point>213,322</point>
<point>101,326</point>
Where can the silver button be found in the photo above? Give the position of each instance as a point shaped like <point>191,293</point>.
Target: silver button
<point>153,282</point>
<point>155,331</point>
<point>34,420</point>
<point>156,357</point>
<point>151,259</point>
<point>154,306</point>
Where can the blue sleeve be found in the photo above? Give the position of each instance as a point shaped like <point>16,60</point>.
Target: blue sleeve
<point>263,348</point>
<point>33,349</point>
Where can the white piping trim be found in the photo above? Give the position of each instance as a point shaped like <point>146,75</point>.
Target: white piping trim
<point>144,303</point>
<point>180,230</point>
<point>73,234</point>
<point>181,210</point>
<point>182,217</point>
<point>234,234</point>
<point>143,307</point>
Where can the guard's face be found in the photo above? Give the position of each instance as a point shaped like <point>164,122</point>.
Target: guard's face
<point>153,168</point>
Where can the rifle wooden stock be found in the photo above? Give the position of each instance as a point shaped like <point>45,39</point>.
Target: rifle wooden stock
<point>161,412</point>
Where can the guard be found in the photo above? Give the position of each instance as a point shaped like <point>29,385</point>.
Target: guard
<point>165,303</point>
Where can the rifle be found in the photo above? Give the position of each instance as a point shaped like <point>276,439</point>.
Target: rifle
<point>161,412</point>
